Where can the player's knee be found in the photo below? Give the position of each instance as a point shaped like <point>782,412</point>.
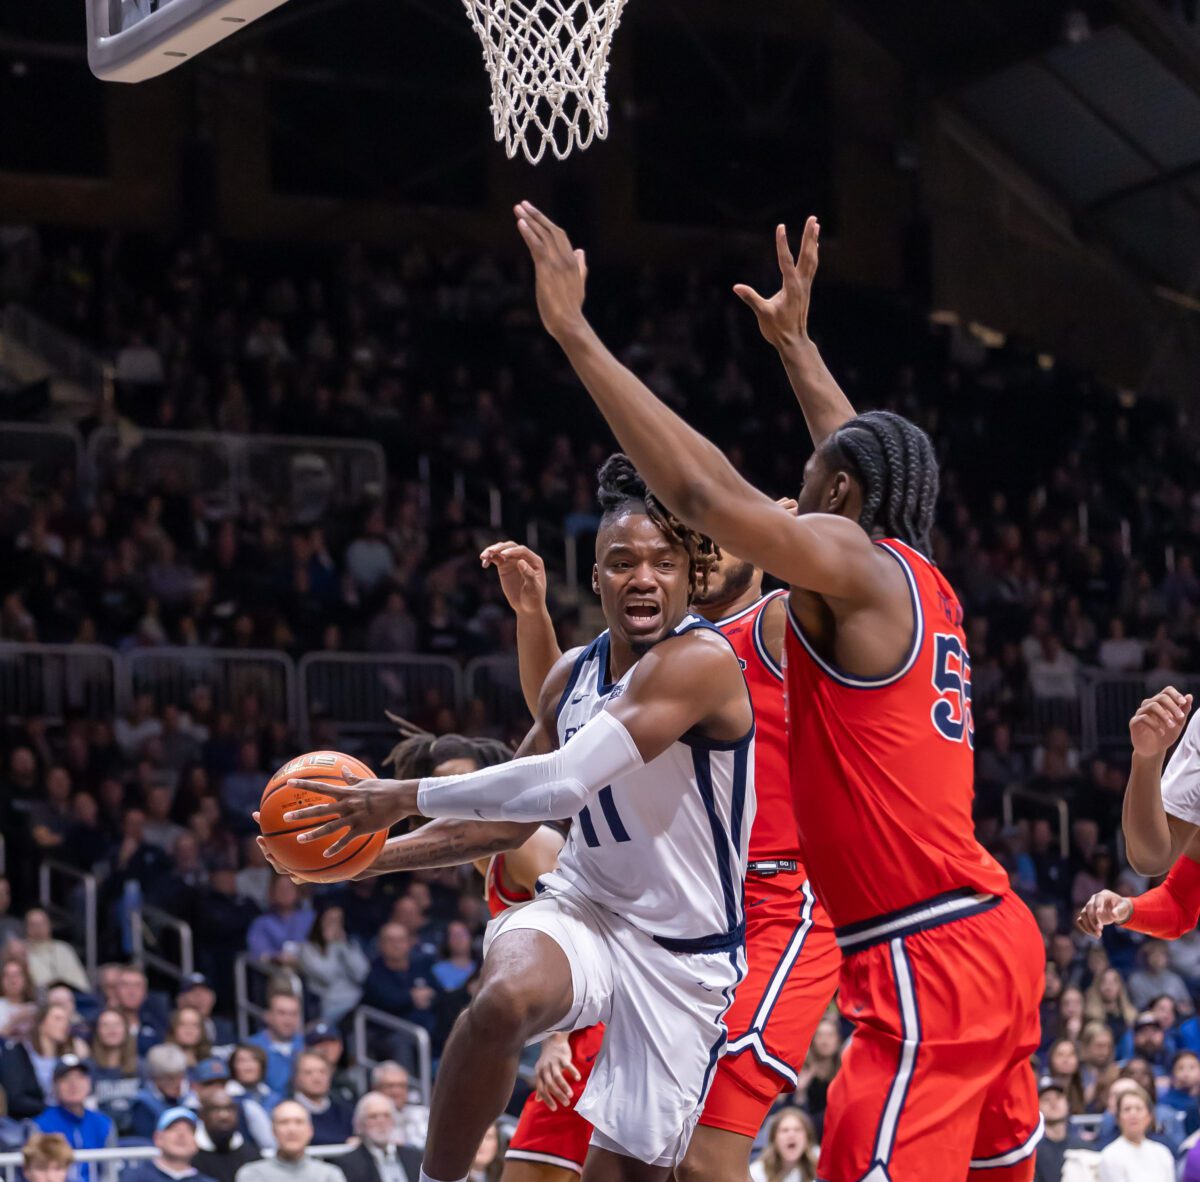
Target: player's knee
<point>506,1010</point>
<point>697,1168</point>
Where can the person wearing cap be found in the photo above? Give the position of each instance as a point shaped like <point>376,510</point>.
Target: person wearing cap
<point>378,1158</point>
<point>326,1040</point>
<point>83,1127</point>
<point>1147,1041</point>
<point>293,1135</point>
<point>175,1140</point>
<point>166,1087</point>
<point>224,1146</point>
<point>210,1078</point>
<point>1057,1138</point>
<point>332,1119</point>
<point>196,992</point>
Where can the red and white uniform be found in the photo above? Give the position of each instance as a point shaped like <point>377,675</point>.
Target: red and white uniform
<point>558,1138</point>
<point>791,954</point>
<point>944,966</point>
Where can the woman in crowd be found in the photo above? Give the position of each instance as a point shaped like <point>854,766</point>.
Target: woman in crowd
<point>27,1067</point>
<point>1108,1001</point>
<point>458,963</point>
<point>187,1032</point>
<point>114,1066</point>
<point>17,1004</point>
<point>822,1064</point>
<point>333,964</point>
<point>489,1158</point>
<point>247,1085</point>
<point>791,1152</point>
<point>1133,1157</point>
<point>1071,1018</point>
<point>1062,1065</point>
<point>1096,1047</point>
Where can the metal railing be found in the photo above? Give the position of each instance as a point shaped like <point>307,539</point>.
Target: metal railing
<point>1055,804</point>
<point>245,1005</point>
<point>397,1028</point>
<point>353,690</point>
<point>146,925</point>
<point>53,680</point>
<point>306,476</point>
<point>60,351</point>
<point>171,674</point>
<point>1111,699</point>
<point>67,912</point>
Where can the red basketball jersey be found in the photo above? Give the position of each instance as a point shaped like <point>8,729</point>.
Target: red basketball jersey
<point>884,767</point>
<point>774,833</point>
<point>497,899</point>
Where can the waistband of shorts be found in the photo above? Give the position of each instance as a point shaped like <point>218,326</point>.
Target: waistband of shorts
<point>770,867</point>
<point>920,917</point>
<point>716,942</point>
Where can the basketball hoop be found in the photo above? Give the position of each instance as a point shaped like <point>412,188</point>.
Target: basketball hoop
<point>547,60</point>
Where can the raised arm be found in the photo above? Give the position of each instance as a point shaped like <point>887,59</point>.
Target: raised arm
<point>1161,813</point>
<point>783,322</point>
<point>523,581</point>
<point>821,553</point>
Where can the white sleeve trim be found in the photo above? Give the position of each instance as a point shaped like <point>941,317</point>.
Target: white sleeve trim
<point>1181,776</point>
<point>537,787</point>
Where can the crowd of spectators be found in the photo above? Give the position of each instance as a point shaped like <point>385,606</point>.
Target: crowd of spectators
<point>1068,522</point>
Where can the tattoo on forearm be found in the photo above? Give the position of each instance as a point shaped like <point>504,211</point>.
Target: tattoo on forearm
<point>445,845</point>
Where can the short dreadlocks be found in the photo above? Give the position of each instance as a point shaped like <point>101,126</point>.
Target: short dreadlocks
<point>621,489</point>
<point>419,752</point>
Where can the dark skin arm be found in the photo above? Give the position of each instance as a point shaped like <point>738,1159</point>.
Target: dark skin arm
<point>685,683</point>
<point>857,610</point>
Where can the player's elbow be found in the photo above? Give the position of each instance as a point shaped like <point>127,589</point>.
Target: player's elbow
<point>1149,859</point>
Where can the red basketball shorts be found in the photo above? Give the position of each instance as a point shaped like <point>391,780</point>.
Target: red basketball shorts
<point>559,1137</point>
<point>793,963</point>
<point>936,1082</point>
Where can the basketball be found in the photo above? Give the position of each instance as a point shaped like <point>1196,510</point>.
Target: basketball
<point>309,859</point>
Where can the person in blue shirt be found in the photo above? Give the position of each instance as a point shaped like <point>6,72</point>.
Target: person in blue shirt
<point>1147,1040</point>
<point>458,963</point>
<point>175,1140</point>
<point>280,1037</point>
<point>401,981</point>
<point>69,1115</point>
<point>1184,1090</point>
<point>278,933</point>
<point>166,1087</point>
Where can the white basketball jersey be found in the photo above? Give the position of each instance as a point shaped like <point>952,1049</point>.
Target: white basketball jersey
<point>664,847</point>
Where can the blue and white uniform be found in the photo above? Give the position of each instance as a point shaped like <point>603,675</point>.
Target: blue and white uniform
<point>647,906</point>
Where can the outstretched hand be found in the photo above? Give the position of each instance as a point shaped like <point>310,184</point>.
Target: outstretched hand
<point>359,807</point>
<point>522,575</point>
<point>1102,909</point>
<point>783,319</point>
<point>1159,721</point>
<point>561,270</point>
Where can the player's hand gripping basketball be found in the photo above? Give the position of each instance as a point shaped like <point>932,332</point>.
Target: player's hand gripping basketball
<point>1102,909</point>
<point>1159,721</point>
<point>783,319</point>
<point>359,806</point>
<point>561,270</point>
<point>522,575</point>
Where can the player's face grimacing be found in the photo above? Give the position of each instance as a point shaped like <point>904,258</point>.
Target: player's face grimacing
<point>641,578</point>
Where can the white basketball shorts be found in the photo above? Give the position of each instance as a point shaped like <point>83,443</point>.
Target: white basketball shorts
<point>664,1017</point>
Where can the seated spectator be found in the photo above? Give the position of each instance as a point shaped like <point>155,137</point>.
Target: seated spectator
<point>1057,1137</point>
<point>489,1158</point>
<point>293,1135</point>
<point>175,1139</point>
<point>378,1158</point>
<point>325,1039</point>
<point>280,1038</point>
<point>1062,1066</point>
<point>255,877</point>
<point>248,1071</point>
<point>1184,954</point>
<point>17,1005</point>
<point>165,1088</point>
<point>133,729</point>
<point>278,933</point>
<point>1108,1001</point>
<point>1133,1157</point>
<point>791,1151</point>
<point>1184,1091</point>
<point>50,959</point>
<point>145,1018</point>
<point>1155,979</point>
<point>10,926</point>
<point>1148,1041</point>
<point>186,1031</point>
<point>223,917</point>
<point>48,1157</point>
<point>223,1147</point>
<point>412,1117</point>
<point>241,791</point>
<point>821,1064</point>
<point>312,1083</point>
<point>83,1127</point>
<point>27,1067</point>
<point>1096,1056</point>
<point>333,965</point>
<point>50,817</point>
<point>159,830</point>
<point>399,981</point>
<point>196,993</point>
<point>458,963</point>
<point>115,1067</point>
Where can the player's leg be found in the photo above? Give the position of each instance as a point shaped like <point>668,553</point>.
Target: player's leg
<point>607,1165</point>
<point>525,989</point>
<point>536,1171</point>
<point>716,1154</point>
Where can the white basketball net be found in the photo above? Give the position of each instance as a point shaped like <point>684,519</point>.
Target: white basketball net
<point>547,60</point>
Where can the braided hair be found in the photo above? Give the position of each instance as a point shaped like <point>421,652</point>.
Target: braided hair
<point>895,462</point>
<point>419,752</point>
<point>621,490</point>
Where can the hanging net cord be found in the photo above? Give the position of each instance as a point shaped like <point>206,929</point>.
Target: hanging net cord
<point>547,60</point>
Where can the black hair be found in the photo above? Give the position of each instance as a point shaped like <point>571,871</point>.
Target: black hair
<point>622,489</point>
<point>416,755</point>
<point>895,462</point>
